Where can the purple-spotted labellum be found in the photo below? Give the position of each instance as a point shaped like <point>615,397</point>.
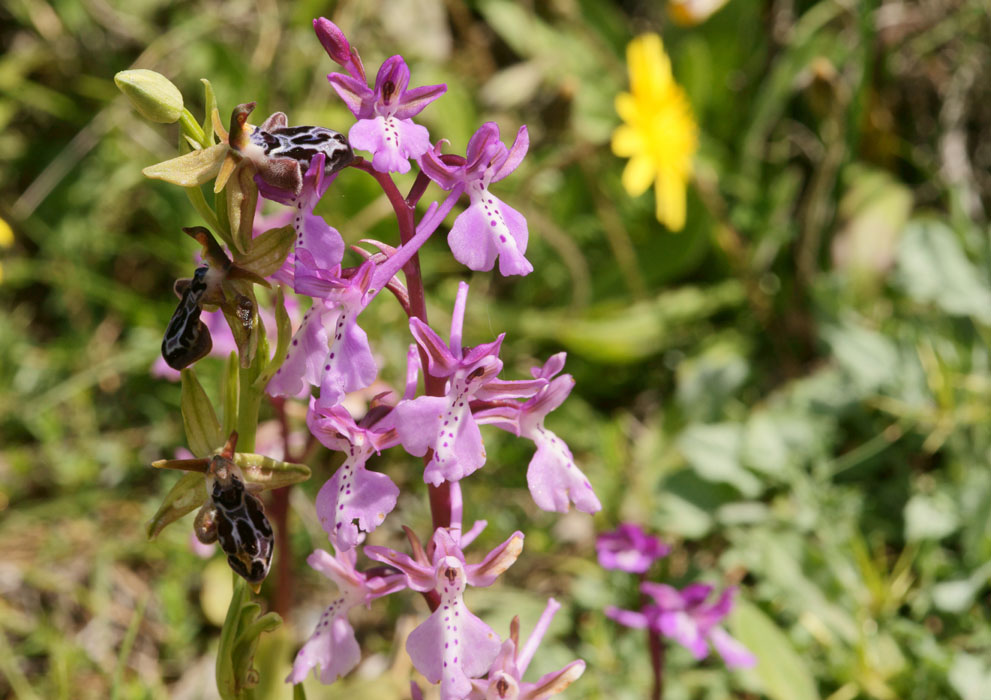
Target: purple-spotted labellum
<point>235,518</point>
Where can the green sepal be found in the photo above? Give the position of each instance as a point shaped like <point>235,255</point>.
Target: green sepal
<point>203,434</point>
<point>210,100</point>
<point>270,473</point>
<point>268,251</point>
<point>230,386</point>
<point>192,169</point>
<point>187,495</point>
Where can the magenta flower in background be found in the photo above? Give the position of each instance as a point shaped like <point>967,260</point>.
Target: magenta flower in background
<point>553,477</point>
<point>685,617</point>
<point>332,646</point>
<point>630,549</point>
<point>385,126</point>
<point>445,424</point>
<point>354,501</point>
<point>504,679</point>
<point>453,645</point>
<point>489,228</point>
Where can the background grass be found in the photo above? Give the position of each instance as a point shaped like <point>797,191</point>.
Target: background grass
<point>794,391</point>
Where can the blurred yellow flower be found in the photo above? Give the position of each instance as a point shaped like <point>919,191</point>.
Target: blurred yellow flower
<point>6,240</point>
<point>659,135</point>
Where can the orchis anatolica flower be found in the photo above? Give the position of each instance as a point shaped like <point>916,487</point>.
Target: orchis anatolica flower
<point>354,501</point>
<point>489,227</point>
<point>385,126</point>
<point>504,680</point>
<point>552,476</point>
<point>629,549</point>
<point>332,645</point>
<point>684,617</point>
<point>445,424</point>
<point>452,646</point>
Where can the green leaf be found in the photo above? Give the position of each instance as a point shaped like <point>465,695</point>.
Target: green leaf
<point>713,451</point>
<point>187,495</point>
<point>933,269</point>
<point>198,417</point>
<point>930,517</point>
<point>782,673</point>
<point>268,251</point>
<point>192,169</point>
<point>284,330</point>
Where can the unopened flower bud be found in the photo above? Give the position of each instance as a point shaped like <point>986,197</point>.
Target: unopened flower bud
<point>152,94</point>
<point>334,42</point>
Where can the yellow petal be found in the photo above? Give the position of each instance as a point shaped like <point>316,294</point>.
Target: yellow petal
<point>627,142</point>
<point>650,68</point>
<point>638,175</point>
<point>669,193</point>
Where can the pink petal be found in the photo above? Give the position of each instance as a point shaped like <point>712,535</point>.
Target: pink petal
<point>332,647</point>
<point>305,359</point>
<point>489,228</point>
<point>555,480</point>
<point>353,502</point>
<point>391,141</point>
<point>350,365</point>
<point>734,654</point>
<point>355,93</point>
<point>418,422</point>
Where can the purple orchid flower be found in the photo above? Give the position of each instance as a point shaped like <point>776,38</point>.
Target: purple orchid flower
<point>332,646</point>
<point>453,645</point>
<point>504,679</point>
<point>355,500</point>
<point>445,424</point>
<point>314,236</point>
<point>629,549</point>
<point>330,350</point>
<point>553,477</point>
<point>385,126</point>
<point>684,617</point>
<point>488,228</point>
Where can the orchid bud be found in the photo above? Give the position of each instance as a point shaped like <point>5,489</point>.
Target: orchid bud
<point>333,40</point>
<point>152,94</point>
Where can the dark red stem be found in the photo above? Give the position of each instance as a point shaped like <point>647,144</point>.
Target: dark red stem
<point>405,207</point>
<point>656,646</point>
<point>279,510</point>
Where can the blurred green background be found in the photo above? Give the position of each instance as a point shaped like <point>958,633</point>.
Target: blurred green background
<point>793,391</point>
